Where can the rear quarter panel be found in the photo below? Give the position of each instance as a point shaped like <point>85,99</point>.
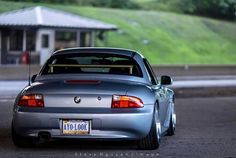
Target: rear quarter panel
<point>144,92</point>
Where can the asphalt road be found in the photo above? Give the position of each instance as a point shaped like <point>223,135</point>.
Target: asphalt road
<point>206,128</point>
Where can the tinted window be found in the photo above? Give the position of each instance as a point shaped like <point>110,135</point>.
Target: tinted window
<point>16,41</point>
<point>92,63</point>
<point>45,41</point>
<point>30,40</point>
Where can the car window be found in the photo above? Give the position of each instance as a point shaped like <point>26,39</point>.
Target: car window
<point>92,63</point>
<point>151,74</point>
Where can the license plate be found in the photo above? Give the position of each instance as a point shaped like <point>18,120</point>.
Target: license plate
<point>75,127</point>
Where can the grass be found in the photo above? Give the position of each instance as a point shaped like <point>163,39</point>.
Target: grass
<point>161,5</point>
<point>164,38</point>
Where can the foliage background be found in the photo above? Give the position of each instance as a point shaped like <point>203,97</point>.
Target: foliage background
<point>162,37</point>
<point>221,9</point>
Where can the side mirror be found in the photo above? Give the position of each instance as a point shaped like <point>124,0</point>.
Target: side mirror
<point>166,80</point>
<point>33,78</point>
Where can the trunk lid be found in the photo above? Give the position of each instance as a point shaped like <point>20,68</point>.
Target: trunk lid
<point>79,93</point>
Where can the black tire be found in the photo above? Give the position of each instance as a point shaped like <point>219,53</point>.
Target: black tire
<point>21,142</point>
<point>152,140</point>
<point>171,129</point>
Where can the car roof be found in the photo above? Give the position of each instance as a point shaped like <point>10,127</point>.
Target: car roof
<point>119,51</point>
<point>116,51</point>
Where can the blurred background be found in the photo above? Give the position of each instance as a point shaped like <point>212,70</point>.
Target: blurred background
<point>182,37</point>
<point>193,41</point>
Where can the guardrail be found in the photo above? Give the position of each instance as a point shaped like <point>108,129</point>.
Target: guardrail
<point>17,72</point>
<point>21,72</point>
<point>195,70</point>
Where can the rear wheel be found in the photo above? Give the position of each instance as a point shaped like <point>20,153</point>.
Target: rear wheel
<point>171,129</point>
<point>19,141</point>
<point>152,140</point>
<point>172,124</point>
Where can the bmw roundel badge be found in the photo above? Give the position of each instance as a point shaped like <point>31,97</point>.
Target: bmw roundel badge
<point>77,99</point>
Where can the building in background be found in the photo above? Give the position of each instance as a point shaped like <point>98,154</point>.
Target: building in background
<point>42,30</point>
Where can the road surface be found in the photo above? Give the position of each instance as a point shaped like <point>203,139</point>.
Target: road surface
<point>206,128</point>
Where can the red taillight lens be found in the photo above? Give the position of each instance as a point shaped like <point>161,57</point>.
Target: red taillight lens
<point>31,100</point>
<point>126,102</point>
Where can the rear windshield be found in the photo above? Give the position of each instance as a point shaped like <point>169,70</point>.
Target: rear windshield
<point>102,63</point>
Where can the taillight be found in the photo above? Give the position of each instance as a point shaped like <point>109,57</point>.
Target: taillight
<point>31,100</point>
<point>126,102</point>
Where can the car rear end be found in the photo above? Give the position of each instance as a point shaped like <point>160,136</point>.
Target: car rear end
<point>86,99</point>
<point>84,113</point>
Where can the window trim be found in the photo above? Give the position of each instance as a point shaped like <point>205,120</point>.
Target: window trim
<point>150,72</point>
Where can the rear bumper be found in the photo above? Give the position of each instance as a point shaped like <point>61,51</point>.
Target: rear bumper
<point>115,124</point>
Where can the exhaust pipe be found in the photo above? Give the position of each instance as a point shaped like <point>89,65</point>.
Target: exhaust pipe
<point>44,135</point>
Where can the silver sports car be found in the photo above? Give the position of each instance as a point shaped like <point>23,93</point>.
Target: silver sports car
<point>95,93</point>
